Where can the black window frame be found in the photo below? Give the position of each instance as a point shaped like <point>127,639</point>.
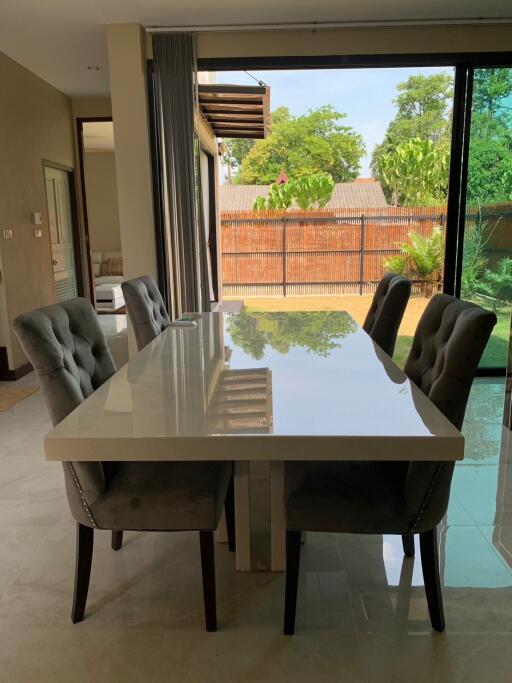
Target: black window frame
<point>464,64</point>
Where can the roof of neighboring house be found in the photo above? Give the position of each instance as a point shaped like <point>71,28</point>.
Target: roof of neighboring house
<point>361,193</point>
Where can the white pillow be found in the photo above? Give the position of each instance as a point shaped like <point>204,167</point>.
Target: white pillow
<point>108,279</point>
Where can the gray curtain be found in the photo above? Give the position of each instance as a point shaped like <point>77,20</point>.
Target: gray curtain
<point>175,72</point>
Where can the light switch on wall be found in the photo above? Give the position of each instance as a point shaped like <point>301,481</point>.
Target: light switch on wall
<point>38,232</point>
<point>8,233</point>
<point>37,218</point>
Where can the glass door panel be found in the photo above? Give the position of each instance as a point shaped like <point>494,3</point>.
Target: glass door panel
<point>486,276</point>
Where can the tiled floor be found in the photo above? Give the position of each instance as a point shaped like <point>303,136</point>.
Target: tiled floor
<point>362,614</point>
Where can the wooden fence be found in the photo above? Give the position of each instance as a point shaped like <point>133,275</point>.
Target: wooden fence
<point>308,252</point>
<point>330,252</point>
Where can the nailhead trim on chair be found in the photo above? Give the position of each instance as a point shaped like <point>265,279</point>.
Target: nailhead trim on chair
<point>427,498</point>
<point>84,502</point>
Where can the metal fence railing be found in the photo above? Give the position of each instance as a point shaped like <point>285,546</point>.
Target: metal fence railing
<point>313,254</point>
<point>324,252</point>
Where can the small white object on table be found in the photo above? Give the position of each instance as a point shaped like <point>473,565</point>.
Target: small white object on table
<point>262,387</point>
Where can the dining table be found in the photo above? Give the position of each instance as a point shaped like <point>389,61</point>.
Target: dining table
<point>258,389</point>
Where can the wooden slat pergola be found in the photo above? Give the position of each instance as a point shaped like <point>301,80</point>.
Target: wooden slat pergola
<point>236,111</point>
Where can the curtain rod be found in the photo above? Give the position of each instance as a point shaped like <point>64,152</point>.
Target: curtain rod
<point>318,25</point>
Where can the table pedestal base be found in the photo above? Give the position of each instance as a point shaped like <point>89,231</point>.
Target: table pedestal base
<point>277,518</point>
<point>260,536</point>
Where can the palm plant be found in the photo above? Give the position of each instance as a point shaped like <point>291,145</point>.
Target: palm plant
<point>498,283</point>
<point>474,262</point>
<point>422,258</point>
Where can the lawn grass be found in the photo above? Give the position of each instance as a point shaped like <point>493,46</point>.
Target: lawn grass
<point>356,305</point>
<point>495,354</point>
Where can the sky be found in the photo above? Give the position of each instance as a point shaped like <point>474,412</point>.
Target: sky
<point>365,95</point>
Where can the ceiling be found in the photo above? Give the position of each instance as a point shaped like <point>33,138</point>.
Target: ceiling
<point>58,39</point>
<point>98,136</point>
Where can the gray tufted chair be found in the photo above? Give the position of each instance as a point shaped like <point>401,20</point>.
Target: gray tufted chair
<point>387,310</point>
<point>146,309</point>
<point>395,497</point>
<point>70,356</point>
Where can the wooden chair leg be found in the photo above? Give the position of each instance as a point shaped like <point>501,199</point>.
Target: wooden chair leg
<point>117,540</point>
<point>408,544</point>
<point>430,566</point>
<point>208,569</point>
<point>292,580</point>
<point>84,546</point>
<point>229,508</point>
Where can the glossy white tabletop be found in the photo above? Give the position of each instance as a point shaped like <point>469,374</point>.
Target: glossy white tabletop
<point>264,386</point>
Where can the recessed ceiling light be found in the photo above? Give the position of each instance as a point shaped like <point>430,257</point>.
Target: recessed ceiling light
<point>94,67</point>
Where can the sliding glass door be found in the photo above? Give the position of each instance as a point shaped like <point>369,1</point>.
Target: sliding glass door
<point>486,274</point>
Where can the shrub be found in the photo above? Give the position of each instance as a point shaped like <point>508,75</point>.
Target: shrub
<point>309,192</point>
<point>421,259</point>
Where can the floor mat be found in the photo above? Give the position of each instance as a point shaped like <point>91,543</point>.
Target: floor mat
<point>9,396</point>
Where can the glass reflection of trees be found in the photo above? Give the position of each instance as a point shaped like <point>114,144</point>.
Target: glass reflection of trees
<point>318,332</point>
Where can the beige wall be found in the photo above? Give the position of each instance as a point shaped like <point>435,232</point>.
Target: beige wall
<point>102,208</point>
<point>356,41</point>
<point>35,124</point>
<point>91,107</point>
<point>127,71</point>
<point>352,41</point>
<point>128,92</point>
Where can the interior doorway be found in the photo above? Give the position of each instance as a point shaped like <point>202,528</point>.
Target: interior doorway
<point>102,230</point>
<point>101,214</point>
<point>64,239</point>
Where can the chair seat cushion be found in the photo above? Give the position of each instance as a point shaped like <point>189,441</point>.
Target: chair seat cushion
<point>350,497</point>
<point>164,496</point>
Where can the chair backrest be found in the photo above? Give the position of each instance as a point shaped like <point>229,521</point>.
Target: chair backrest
<point>146,309</point>
<point>68,351</point>
<point>447,347</point>
<point>448,344</point>
<point>70,356</point>
<point>386,311</point>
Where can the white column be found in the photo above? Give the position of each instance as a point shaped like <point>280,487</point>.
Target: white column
<point>127,73</point>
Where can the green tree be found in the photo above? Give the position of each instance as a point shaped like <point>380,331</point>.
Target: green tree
<point>423,111</point>
<point>238,148</point>
<point>318,332</point>
<point>308,192</point>
<point>490,88</point>
<point>416,172</point>
<point>279,116</point>
<point>304,145</point>
<point>489,172</point>
<point>490,145</point>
